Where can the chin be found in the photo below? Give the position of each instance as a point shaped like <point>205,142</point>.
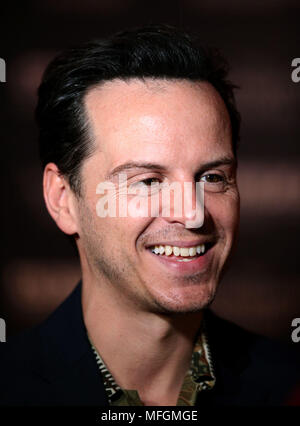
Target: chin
<point>184,304</point>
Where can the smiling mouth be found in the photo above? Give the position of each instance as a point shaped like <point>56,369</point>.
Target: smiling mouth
<point>180,254</point>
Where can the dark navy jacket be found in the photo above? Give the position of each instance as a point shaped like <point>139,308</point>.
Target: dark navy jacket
<point>53,364</point>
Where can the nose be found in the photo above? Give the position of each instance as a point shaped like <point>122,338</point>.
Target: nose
<point>183,202</point>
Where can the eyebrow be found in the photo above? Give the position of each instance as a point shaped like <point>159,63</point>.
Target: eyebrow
<point>223,161</point>
<point>134,165</point>
<point>159,167</point>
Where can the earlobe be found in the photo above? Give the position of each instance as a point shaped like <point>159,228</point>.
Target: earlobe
<point>59,199</point>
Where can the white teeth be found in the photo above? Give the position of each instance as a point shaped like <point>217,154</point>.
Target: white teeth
<point>179,251</point>
<point>184,260</point>
<point>192,251</point>
<point>184,251</point>
<point>176,251</point>
<point>200,249</point>
<point>168,250</point>
<point>161,249</point>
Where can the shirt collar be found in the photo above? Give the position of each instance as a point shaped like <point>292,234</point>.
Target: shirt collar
<point>200,376</point>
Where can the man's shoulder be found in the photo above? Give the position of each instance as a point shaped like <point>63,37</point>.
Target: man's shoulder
<point>52,363</point>
<point>20,358</point>
<point>23,349</point>
<point>229,337</point>
<point>252,368</point>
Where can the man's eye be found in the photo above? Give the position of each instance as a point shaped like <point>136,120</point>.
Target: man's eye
<point>151,180</point>
<point>214,182</point>
<point>213,178</point>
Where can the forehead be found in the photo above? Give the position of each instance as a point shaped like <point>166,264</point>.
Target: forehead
<point>144,119</point>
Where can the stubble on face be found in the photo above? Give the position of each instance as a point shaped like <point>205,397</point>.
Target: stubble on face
<point>116,274</point>
<point>113,252</point>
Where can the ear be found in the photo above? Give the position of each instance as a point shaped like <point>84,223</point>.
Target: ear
<point>60,199</point>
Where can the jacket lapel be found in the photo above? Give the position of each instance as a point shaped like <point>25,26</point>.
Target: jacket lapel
<point>230,349</point>
<point>67,362</point>
<point>68,365</point>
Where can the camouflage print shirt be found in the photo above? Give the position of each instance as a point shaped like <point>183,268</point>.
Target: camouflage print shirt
<point>199,377</point>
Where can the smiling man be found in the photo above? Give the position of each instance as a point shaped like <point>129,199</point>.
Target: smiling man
<point>153,106</point>
<point>150,121</point>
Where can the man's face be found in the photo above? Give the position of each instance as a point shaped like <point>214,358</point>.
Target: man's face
<point>181,132</point>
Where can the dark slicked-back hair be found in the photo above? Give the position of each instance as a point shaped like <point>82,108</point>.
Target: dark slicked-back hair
<point>150,52</point>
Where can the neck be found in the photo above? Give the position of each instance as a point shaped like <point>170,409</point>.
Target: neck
<point>157,347</point>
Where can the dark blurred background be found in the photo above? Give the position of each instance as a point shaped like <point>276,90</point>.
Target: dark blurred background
<point>261,292</point>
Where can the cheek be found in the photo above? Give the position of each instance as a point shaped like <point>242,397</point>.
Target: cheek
<point>224,211</point>
<point>123,217</point>
<point>138,206</point>
<point>122,232</point>
<point>122,203</point>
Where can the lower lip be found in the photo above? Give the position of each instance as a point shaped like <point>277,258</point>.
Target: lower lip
<point>191,267</point>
